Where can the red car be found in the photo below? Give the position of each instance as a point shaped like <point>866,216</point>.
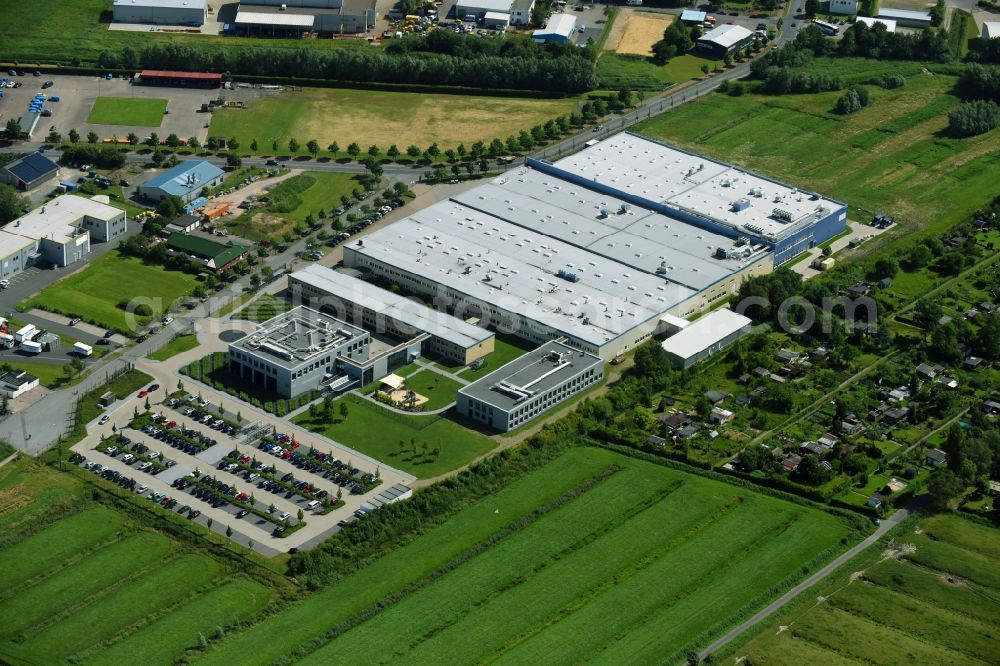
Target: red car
<point>143,394</point>
<point>286,454</point>
<point>245,459</point>
<point>171,425</point>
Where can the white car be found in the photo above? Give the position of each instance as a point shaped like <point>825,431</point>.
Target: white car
<point>4,284</point>
<point>285,516</point>
<point>167,320</point>
<point>104,419</point>
<point>141,489</point>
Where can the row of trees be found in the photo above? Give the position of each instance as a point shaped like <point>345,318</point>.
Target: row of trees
<point>515,71</point>
<point>461,45</point>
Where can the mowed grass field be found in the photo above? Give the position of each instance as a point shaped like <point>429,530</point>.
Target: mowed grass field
<point>616,70</point>
<point>131,111</point>
<point>939,604</point>
<point>99,292</point>
<point>385,435</point>
<point>79,583</point>
<point>890,157</point>
<point>594,557</point>
<point>382,118</point>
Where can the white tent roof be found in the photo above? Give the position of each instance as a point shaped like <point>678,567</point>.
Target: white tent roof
<point>726,35</point>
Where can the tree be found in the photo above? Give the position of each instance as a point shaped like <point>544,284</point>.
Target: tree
<point>170,207</point>
<point>343,410</point>
<point>374,151</point>
<point>173,140</point>
<point>229,531</point>
<point>886,267</point>
<point>334,148</point>
<point>728,60</point>
<point>945,486</point>
<point>313,147</point>
<point>676,41</point>
<point>253,146</point>
<point>353,150</point>
<point>13,129</point>
<point>972,118</point>
<point>293,146</point>
<point>74,136</point>
<point>233,143</point>
<point>413,151</point>
<point>92,137</point>
<point>393,152</point>
<point>987,341</point>
<point>11,203</point>
<point>812,6</point>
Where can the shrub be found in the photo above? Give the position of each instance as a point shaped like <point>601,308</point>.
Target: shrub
<point>972,118</point>
<point>852,101</point>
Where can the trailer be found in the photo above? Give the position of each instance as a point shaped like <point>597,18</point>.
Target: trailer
<point>30,347</point>
<point>82,349</point>
<point>25,333</point>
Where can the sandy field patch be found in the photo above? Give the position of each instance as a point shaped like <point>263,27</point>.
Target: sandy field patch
<point>640,32</point>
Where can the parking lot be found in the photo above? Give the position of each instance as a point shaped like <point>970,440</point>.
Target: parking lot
<point>194,457</point>
<point>78,93</point>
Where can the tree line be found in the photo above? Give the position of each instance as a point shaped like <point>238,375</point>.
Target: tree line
<point>446,42</point>
<point>515,71</point>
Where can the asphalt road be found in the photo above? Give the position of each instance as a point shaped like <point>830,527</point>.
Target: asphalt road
<point>767,611</point>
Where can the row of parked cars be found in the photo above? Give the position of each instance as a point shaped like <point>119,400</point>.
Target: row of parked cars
<point>172,435</point>
<point>372,218</point>
<point>254,475</point>
<point>201,415</point>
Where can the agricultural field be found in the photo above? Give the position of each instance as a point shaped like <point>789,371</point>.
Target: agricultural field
<point>639,32</point>
<point>80,583</point>
<point>382,118</point>
<point>130,111</point>
<point>101,291</point>
<point>423,445</point>
<point>891,156</point>
<point>639,558</point>
<point>929,596</point>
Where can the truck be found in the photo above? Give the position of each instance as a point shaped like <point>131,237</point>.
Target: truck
<point>82,349</point>
<point>25,333</point>
<point>30,347</point>
<point>6,341</point>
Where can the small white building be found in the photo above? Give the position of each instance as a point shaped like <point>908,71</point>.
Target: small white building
<point>520,12</point>
<point>705,336</point>
<point>848,7</point>
<point>991,30</point>
<point>16,382</point>
<point>890,26</point>
<point>496,20</point>
<point>480,8</point>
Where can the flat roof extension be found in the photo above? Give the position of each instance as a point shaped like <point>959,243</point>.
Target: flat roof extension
<point>294,337</point>
<point>530,374</point>
<point>704,332</point>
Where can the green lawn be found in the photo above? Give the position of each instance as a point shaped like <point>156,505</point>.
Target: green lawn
<point>101,292</point>
<point>505,350</point>
<point>387,436</point>
<point>49,374</point>
<point>382,118</point>
<point>639,558</point>
<point>891,157</point>
<point>264,307</point>
<point>178,345</point>
<point>130,111</point>
<point>615,70</point>
<point>438,389</point>
<point>936,605</point>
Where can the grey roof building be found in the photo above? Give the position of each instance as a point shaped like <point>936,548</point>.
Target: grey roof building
<point>28,172</point>
<point>161,12</point>
<point>297,351</point>
<point>529,386</point>
<point>186,180</point>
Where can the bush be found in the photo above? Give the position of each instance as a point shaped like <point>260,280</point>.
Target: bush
<point>972,118</point>
<point>852,101</point>
<point>894,81</point>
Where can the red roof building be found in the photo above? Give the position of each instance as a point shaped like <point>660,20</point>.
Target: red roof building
<point>170,78</point>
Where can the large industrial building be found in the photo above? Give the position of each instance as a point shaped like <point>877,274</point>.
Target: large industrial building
<point>529,386</point>
<point>58,233</point>
<point>382,311</point>
<point>724,40</point>
<point>186,180</point>
<point>296,351</point>
<point>909,18</point>
<point>296,17</point>
<point>161,12</point>
<point>598,247</point>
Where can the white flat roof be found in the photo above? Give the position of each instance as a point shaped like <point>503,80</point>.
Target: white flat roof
<point>516,269</point>
<point>400,308</point>
<point>890,25</point>
<point>300,20</point>
<point>496,16</point>
<point>608,226</point>
<point>726,35</point>
<point>486,5</point>
<point>698,185</point>
<point>910,14</point>
<point>57,220</point>
<point>558,24</point>
<point>164,4</point>
<point>11,244</point>
<point>704,332</point>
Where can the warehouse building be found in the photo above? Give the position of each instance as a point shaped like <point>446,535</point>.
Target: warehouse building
<point>214,256</point>
<point>28,172</point>
<point>496,20</point>
<point>298,17</point>
<point>186,180</point>
<point>380,310</point>
<point>479,8</point>
<point>705,336</point>
<point>559,28</point>
<point>529,386</point>
<point>166,77</point>
<point>296,351</point>
<point>161,12</point>
<point>58,233</point>
<point>595,248</point>
<point>723,40</point>
<point>906,17</point>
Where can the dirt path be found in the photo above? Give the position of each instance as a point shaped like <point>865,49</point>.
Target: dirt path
<point>617,29</point>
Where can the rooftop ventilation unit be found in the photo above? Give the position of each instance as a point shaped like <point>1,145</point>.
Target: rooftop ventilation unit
<point>781,215</point>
